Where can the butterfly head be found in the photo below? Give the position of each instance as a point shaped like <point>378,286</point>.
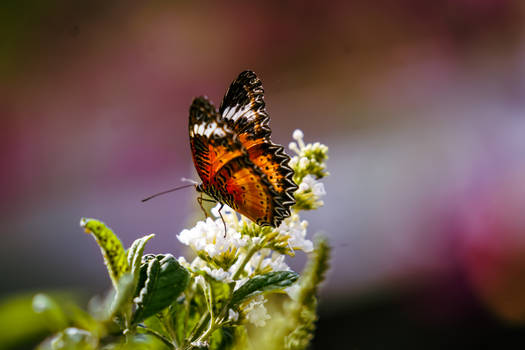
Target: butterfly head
<point>199,188</point>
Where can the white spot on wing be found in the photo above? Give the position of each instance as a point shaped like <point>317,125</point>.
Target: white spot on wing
<point>200,129</point>
<point>239,111</point>
<point>209,129</point>
<point>220,132</point>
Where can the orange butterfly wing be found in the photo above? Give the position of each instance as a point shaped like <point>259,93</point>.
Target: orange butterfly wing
<point>244,111</point>
<point>228,175</point>
<point>212,142</point>
<point>245,189</point>
<point>235,158</point>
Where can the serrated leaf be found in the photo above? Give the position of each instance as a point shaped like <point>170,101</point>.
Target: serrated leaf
<point>110,246</point>
<point>134,255</point>
<point>263,283</point>
<point>165,279</point>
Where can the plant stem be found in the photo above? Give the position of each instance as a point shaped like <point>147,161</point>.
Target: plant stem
<point>160,336</point>
<point>205,317</point>
<point>247,258</point>
<point>214,325</point>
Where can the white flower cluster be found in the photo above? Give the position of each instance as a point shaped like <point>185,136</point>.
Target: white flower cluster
<point>314,187</point>
<point>200,265</point>
<point>209,236</point>
<point>309,166</point>
<point>303,159</point>
<point>295,228</point>
<point>264,261</point>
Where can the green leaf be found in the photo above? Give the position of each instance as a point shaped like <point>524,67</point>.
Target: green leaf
<point>140,341</point>
<point>20,327</point>
<point>157,325</point>
<point>110,246</point>
<point>220,293</point>
<point>179,318</point>
<point>197,308</point>
<point>162,280</point>
<point>302,311</point>
<point>70,339</point>
<point>267,282</point>
<point>123,297</point>
<point>135,252</point>
<point>60,310</point>
<point>222,339</point>
<point>55,316</point>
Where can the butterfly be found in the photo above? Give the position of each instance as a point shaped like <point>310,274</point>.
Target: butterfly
<point>237,162</point>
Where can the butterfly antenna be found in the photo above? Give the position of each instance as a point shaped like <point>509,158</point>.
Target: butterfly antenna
<point>168,191</point>
<point>183,179</point>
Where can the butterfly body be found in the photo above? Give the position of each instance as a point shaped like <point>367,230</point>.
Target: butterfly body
<point>236,160</point>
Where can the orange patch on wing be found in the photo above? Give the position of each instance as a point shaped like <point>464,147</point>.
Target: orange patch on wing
<point>251,195</point>
<point>269,165</point>
<point>220,155</point>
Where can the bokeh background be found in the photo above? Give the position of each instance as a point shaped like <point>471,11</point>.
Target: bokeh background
<point>421,102</point>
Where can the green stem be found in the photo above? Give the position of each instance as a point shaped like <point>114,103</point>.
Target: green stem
<point>209,331</point>
<point>198,328</point>
<point>246,259</point>
<point>214,325</point>
<point>128,331</point>
<point>160,336</point>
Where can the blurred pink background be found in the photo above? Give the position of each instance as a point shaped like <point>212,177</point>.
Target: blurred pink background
<point>421,103</point>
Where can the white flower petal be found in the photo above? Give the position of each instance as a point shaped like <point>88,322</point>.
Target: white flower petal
<point>233,315</point>
<point>298,134</point>
<point>256,312</point>
<point>208,236</point>
<point>296,229</point>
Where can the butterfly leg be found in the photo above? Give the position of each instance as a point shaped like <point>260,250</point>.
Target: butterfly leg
<point>223,222</point>
<point>200,200</point>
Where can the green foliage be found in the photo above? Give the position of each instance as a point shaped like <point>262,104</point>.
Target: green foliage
<point>20,325</point>
<point>267,282</point>
<point>296,330</point>
<point>121,300</point>
<point>303,309</point>
<point>160,302</point>
<point>223,339</point>
<point>111,247</point>
<point>134,254</point>
<point>54,315</point>
<point>171,307</point>
<point>162,280</point>
<point>71,338</point>
<point>216,293</point>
